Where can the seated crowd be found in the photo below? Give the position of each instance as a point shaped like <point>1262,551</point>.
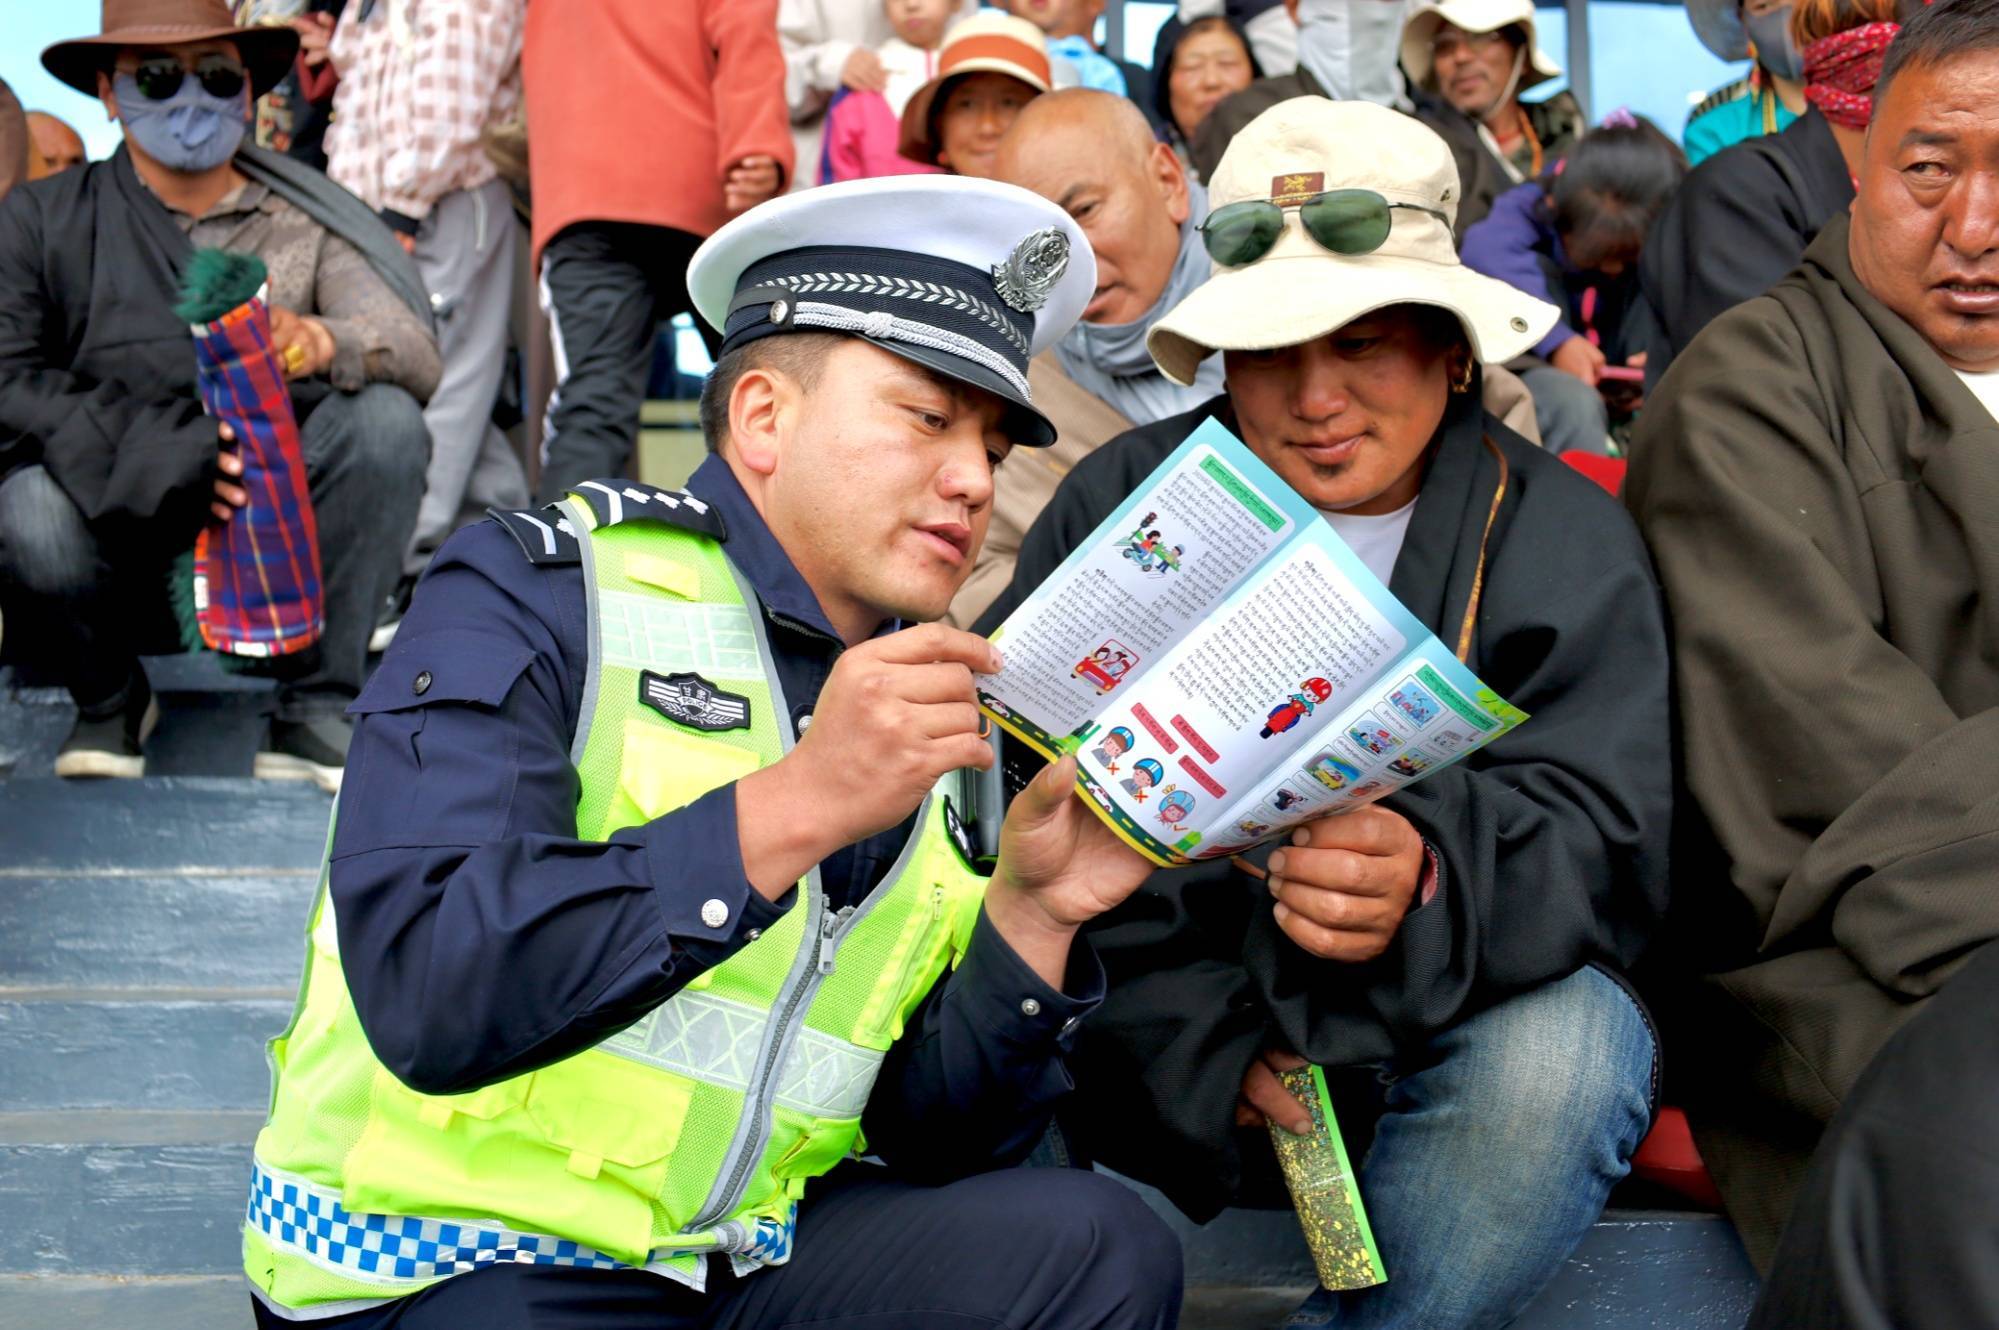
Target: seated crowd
<point>1735,857</point>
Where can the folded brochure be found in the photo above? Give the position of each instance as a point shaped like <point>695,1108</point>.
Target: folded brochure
<point>1225,667</point>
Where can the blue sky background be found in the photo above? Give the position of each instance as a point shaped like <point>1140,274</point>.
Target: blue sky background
<point>31,25</point>
<point>1644,56</point>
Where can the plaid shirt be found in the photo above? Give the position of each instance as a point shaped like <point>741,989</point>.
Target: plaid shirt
<point>420,80</point>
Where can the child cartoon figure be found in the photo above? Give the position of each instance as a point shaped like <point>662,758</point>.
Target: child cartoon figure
<point>1113,746</point>
<point>1106,666</point>
<point>1145,774</point>
<point>1175,806</point>
<point>1252,829</point>
<point>1296,707</point>
<point>1284,798</point>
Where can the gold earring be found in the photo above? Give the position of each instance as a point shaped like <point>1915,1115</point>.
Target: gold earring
<point>1461,381</point>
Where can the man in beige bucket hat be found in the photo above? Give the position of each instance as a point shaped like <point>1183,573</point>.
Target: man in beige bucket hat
<point>1455,952</point>
<point>1474,58</point>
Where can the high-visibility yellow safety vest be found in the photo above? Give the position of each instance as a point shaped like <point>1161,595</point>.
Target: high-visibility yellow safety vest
<point>693,1131</point>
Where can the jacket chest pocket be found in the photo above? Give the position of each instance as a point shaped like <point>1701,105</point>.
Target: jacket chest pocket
<point>662,769</point>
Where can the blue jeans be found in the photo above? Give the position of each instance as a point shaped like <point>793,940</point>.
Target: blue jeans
<point>1497,1146</point>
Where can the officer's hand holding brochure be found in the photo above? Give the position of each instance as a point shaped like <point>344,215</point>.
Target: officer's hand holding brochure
<point>1225,667</point>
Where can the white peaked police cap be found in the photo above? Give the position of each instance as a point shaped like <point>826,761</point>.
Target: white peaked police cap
<point>969,278</point>
<point>1301,290</point>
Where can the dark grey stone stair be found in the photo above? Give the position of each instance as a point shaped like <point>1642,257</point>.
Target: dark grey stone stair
<point>151,934</point>
<point>150,937</point>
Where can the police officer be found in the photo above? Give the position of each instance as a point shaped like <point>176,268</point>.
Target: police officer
<point>651,901</point>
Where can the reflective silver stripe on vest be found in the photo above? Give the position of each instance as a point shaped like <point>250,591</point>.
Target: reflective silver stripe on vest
<point>716,1040</point>
<point>652,633</point>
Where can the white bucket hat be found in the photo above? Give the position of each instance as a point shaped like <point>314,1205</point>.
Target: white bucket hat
<point>1301,290</point>
<point>1419,31</point>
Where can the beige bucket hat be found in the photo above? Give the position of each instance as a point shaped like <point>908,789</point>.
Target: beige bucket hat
<point>1419,31</point>
<point>1301,290</point>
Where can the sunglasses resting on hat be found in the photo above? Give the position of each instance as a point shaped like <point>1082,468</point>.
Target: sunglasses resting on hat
<point>1345,221</point>
<point>160,76</point>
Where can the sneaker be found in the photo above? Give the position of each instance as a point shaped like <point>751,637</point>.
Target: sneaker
<point>314,750</point>
<point>393,610</point>
<point>112,746</point>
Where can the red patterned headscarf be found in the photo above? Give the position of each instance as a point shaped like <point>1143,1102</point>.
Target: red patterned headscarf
<point>1841,70</point>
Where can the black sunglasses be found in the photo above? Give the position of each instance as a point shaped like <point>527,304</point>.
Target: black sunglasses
<point>1345,221</point>
<point>159,77</point>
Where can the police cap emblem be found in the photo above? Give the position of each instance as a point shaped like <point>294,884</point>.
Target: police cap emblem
<point>691,700</point>
<point>1031,271</point>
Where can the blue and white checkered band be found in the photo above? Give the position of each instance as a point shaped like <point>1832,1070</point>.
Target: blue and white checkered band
<point>889,296</point>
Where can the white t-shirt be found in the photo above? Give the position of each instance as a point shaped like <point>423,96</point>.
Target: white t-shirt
<point>1377,539</point>
<point>1985,387</point>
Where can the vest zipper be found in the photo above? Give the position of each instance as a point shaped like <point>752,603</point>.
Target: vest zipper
<point>830,931</point>
<point>832,928</point>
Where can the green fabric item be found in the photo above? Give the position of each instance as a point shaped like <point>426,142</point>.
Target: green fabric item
<point>217,281</point>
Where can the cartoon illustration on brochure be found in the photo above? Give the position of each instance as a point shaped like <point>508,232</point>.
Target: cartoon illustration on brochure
<point>1145,774</point>
<point>1331,772</point>
<point>1106,666</point>
<point>1175,806</point>
<point>1296,707</point>
<point>1147,548</point>
<point>1415,702</point>
<point>1113,746</point>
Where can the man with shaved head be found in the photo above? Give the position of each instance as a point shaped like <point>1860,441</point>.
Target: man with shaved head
<point>57,147</point>
<point>1092,154</point>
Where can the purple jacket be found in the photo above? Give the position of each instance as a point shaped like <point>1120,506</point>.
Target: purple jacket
<point>1516,243</point>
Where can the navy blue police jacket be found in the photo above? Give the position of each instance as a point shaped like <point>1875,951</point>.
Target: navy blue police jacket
<point>481,938</point>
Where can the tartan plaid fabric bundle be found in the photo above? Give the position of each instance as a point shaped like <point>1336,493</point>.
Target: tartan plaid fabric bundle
<point>256,577</point>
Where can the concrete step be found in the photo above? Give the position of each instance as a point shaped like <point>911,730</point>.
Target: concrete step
<point>208,928</point>
<point>134,1192</point>
<point>178,826</point>
<point>211,720</point>
<point>97,1302</point>
<point>171,1049</point>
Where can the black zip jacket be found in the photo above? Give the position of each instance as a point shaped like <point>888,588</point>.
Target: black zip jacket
<point>1551,843</point>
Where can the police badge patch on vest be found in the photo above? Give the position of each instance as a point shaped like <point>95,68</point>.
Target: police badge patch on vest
<point>690,700</point>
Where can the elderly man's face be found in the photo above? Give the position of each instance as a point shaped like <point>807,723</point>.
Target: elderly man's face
<point>1130,204</point>
<point>1925,237</point>
<point>1346,419</point>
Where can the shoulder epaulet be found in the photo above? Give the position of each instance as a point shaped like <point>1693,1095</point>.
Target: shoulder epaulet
<point>615,501</point>
<point>545,536</point>
<point>1722,96</point>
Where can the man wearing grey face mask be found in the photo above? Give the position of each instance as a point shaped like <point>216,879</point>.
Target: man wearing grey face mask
<point>108,466</point>
<point>1769,97</point>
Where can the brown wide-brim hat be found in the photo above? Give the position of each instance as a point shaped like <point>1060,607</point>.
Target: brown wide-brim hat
<point>267,52</point>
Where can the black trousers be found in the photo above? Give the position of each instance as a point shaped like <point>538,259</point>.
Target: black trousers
<point>1021,1248</point>
<point>606,286</point>
<point>94,612</point>
<point>1898,1223</point>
